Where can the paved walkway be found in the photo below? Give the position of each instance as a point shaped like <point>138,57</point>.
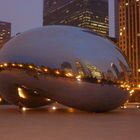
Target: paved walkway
<point>61,125</point>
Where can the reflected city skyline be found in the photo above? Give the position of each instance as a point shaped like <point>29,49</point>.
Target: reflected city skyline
<point>64,64</point>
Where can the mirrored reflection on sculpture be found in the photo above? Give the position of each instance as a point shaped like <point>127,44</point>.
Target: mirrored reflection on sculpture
<point>70,65</point>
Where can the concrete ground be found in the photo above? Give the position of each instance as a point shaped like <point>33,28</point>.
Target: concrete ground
<point>43,124</point>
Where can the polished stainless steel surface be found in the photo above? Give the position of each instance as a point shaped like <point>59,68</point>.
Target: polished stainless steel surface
<point>66,64</point>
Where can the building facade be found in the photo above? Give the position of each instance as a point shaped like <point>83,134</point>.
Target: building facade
<point>113,19</point>
<point>129,34</point>
<point>5,32</point>
<point>89,14</point>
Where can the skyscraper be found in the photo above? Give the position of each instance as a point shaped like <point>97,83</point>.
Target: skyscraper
<point>5,32</point>
<point>113,18</point>
<point>90,14</point>
<point>129,34</point>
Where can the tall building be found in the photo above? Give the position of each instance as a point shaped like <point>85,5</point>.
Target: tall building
<point>129,34</point>
<point>113,18</point>
<point>5,32</point>
<point>90,14</point>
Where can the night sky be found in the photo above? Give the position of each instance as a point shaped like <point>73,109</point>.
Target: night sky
<point>27,14</point>
<point>23,14</point>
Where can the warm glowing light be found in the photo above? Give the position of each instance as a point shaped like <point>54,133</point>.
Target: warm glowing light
<point>139,86</point>
<point>35,92</point>
<point>71,110</point>
<point>69,74</point>
<point>138,70</point>
<point>125,107</point>
<point>79,80</point>
<point>137,106</point>
<point>24,108</point>
<point>5,64</point>
<point>99,81</point>
<point>30,66</point>
<point>78,77</point>
<point>47,99</point>
<point>57,72</point>
<point>13,64</point>
<point>122,86</point>
<point>1,66</point>
<point>20,65</point>
<point>54,108</point>
<point>126,3</point>
<point>132,91</point>
<point>0,99</point>
<point>21,93</point>
<point>127,101</point>
<point>128,89</point>
<point>46,70</point>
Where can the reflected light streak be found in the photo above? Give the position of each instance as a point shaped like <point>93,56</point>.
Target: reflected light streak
<point>21,93</point>
<point>78,77</point>
<point>69,74</point>
<point>57,72</point>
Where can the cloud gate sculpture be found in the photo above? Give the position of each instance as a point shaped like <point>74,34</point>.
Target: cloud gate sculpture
<point>64,64</point>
